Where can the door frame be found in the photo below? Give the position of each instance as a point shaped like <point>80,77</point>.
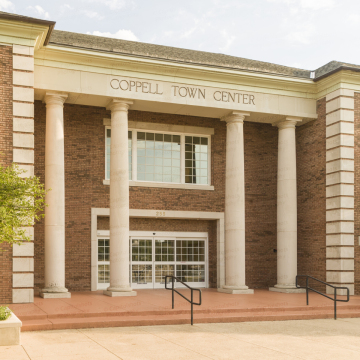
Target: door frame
<point>176,235</point>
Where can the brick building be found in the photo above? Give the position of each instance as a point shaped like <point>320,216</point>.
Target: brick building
<point>230,173</point>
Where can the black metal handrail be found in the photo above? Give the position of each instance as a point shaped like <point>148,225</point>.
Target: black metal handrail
<point>173,290</point>
<point>334,299</point>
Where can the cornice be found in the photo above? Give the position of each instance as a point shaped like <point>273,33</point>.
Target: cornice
<point>21,33</point>
<point>345,79</point>
<point>121,65</point>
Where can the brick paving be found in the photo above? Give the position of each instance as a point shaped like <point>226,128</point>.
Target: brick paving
<point>153,307</point>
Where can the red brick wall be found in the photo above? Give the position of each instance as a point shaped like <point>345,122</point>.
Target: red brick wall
<point>85,171</point>
<point>84,189</point>
<point>311,181</point>
<point>260,142</point>
<point>6,145</point>
<point>357,193</point>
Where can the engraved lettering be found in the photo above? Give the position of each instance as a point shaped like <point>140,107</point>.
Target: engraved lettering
<point>144,86</point>
<point>192,92</point>
<point>183,94</point>
<point>157,90</point>
<point>201,93</point>
<point>251,100</point>
<point>132,84</point>
<point>150,89</point>
<point>175,87</point>
<point>138,85</point>
<point>245,98</point>
<point>215,96</point>
<point>127,85</point>
<point>224,96</point>
<point>111,83</point>
<point>232,97</point>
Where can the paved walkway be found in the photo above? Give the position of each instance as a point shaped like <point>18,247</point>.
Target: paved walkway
<point>294,339</point>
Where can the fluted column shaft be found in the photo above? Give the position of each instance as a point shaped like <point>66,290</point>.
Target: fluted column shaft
<point>286,206</point>
<point>119,201</point>
<point>235,206</point>
<point>55,198</point>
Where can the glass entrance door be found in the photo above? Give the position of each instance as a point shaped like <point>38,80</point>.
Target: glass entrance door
<point>154,257</point>
<point>182,257</point>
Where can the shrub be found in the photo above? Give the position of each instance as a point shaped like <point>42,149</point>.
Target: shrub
<point>5,312</point>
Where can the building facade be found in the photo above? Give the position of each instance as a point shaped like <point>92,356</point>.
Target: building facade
<point>226,172</point>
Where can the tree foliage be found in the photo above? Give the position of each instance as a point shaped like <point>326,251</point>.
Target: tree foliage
<point>22,202</point>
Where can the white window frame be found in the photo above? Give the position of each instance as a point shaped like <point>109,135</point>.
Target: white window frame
<point>173,235</point>
<point>181,184</point>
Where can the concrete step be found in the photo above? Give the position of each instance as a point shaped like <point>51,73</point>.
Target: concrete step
<point>197,310</point>
<point>172,317</point>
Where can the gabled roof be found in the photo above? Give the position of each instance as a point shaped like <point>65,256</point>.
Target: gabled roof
<point>173,54</point>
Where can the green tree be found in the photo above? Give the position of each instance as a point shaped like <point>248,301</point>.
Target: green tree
<point>22,202</point>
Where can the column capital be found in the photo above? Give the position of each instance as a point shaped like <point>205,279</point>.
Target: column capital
<point>288,122</point>
<point>119,105</point>
<point>235,117</point>
<point>55,98</point>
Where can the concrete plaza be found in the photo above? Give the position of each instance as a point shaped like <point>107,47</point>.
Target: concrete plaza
<point>293,339</point>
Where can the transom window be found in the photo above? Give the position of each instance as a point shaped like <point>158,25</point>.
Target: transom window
<point>165,157</point>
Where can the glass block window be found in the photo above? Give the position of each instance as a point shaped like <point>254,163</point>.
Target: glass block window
<point>108,142</point>
<point>191,273</point>
<point>196,160</point>
<point>190,250</point>
<point>161,271</point>
<point>103,250</point>
<point>164,250</point>
<point>141,250</point>
<point>141,274</point>
<point>158,157</point>
<point>104,273</point>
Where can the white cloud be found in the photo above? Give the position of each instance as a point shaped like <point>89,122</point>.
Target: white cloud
<point>187,33</point>
<point>121,34</point>
<point>92,14</point>
<point>228,40</point>
<point>317,4</point>
<point>307,4</point>
<point>302,36</point>
<point>39,11</point>
<point>113,4</point>
<point>6,5</point>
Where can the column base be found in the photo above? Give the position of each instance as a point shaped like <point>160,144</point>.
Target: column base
<point>234,290</point>
<point>119,293</point>
<point>53,295</point>
<point>287,290</point>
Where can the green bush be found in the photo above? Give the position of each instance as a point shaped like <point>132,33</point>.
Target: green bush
<point>5,312</point>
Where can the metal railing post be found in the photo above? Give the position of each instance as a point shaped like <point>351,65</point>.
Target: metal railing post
<point>173,291</point>
<point>334,298</point>
<point>172,288</point>
<point>307,290</point>
<point>192,308</point>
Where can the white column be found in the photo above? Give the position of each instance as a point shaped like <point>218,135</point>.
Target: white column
<point>286,207</point>
<point>55,198</point>
<point>119,201</point>
<point>235,206</point>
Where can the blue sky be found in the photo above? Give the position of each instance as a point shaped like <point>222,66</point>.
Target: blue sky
<point>301,33</point>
